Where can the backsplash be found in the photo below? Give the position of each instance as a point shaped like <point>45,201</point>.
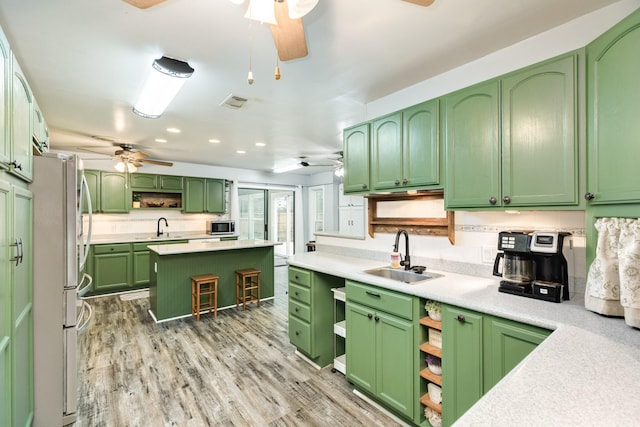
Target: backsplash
<point>146,221</point>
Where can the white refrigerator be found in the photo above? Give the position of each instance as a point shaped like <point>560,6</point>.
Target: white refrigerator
<point>60,249</point>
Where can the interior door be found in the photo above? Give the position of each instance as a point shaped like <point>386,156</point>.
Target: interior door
<point>281,209</point>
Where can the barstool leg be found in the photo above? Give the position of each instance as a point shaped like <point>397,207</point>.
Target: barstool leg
<point>258,284</point>
<point>215,299</point>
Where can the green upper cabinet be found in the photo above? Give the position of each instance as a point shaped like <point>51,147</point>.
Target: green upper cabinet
<point>5,91</point>
<point>152,182</point>
<point>204,195</point>
<point>356,159</point>
<point>21,125</point>
<point>539,143</point>
<point>114,195</point>
<point>472,140</point>
<point>405,149</point>
<point>40,130</point>
<point>613,130</point>
<point>512,142</point>
<point>93,182</point>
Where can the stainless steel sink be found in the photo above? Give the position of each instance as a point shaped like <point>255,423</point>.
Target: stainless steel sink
<point>163,237</point>
<point>405,276</point>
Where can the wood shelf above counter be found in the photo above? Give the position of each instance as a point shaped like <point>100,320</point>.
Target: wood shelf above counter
<point>427,226</point>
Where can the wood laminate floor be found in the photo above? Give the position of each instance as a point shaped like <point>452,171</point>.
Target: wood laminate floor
<point>236,370</point>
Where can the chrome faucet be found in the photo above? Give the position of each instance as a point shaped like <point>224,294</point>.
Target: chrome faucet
<point>406,262</point>
<point>159,233</point>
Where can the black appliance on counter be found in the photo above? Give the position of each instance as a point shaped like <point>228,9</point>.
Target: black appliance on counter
<point>533,265</point>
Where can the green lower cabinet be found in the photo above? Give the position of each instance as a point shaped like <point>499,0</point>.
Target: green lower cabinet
<point>311,313</point>
<point>382,354</point>
<point>112,270</point>
<point>478,351</point>
<point>141,268</point>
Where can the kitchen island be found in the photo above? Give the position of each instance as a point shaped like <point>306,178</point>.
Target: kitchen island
<point>171,268</point>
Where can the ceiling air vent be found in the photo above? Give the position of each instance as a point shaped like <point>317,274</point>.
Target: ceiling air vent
<point>233,101</point>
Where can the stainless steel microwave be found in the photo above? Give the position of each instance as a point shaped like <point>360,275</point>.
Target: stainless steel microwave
<point>221,227</point>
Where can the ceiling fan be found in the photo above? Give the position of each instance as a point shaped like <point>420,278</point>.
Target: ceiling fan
<point>129,158</point>
<point>305,162</point>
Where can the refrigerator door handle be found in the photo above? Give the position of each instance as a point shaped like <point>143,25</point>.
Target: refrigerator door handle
<point>82,290</point>
<point>85,307</point>
<point>85,190</point>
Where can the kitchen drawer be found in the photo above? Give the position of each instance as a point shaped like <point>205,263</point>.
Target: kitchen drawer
<point>303,311</point>
<point>299,293</point>
<point>380,299</point>
<point>137,247</point>
<point>111,249</point>
<point>300,334</point>
<point>299,276</point>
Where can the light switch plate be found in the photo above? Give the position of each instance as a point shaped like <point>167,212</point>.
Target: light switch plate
<point>488,254</point>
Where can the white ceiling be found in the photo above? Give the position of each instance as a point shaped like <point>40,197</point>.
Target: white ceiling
<point>86,61</point>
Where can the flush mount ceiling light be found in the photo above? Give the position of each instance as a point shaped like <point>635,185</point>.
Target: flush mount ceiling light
<point>165,80</point>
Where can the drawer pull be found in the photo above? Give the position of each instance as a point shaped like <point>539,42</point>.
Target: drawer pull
<point>297,278</point>
<point>297,333</point>
<point>373,294</point>
<point>297,293</point>
<point>297,309</point>
<point>377,318</point>
<point>369,315</point>
<point>461,318</point>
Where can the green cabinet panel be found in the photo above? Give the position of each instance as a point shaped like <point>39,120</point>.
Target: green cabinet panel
<point>114,196</point>
<point>356,159</point>
<point>462,362</point>
<point>93,182</point>
<point>478,351</point>
<point>507,343</point>
<point>381,347</point>
<point>539,139</point>
<point>5,303</point>
<point>421,144</point>
<point>21,125</point>
<point>386,152</point>
<point>40,131</point>
<point>472,135</point>
<point>141,268</point>
<point>143,181</point>
<point>613,94</point>
<point>112,271</point>
<point>5,99</point>
<point>204,195</point>
<point>311,313</point>
<point>170,182</point>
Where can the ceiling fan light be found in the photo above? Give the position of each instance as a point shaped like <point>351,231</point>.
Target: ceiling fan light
<point>339,172</point>
<point>262,11</point>
<point>299,8</point>
<point>120,167</point>
<point>167,76</point>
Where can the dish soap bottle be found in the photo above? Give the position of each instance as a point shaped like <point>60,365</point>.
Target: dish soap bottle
<point>395,259</point>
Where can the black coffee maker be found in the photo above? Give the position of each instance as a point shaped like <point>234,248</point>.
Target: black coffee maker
<point>533,265</point>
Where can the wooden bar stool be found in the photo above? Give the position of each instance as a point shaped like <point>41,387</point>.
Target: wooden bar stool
<point>204,286</point>
<point>247,287</point>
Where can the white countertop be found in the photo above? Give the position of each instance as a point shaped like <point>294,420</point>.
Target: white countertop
<point>193,247</point>
<point>98,239</point>
<point>586,372</point>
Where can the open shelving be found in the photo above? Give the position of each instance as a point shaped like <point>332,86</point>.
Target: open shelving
<point>426,375</point>
<point>339,330</point>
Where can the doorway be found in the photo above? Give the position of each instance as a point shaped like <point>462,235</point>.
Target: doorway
<point>268,214</point>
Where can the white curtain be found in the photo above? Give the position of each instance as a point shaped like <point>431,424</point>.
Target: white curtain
<point>613,281</point>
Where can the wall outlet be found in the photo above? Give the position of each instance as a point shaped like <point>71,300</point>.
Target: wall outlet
<point>488,254</point>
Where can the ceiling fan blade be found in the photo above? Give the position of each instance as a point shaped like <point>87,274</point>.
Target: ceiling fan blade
<point>138,155</point>
<point>418,2</point>
<point>157,162</point>
<point>288,35</point>
<point>136,163</point>
<point>143,4</point>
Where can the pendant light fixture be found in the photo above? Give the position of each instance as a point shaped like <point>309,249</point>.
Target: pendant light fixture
<point>165,80</point>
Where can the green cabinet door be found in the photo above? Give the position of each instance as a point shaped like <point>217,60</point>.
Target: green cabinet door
<point>114,195</point>
<point>356,159</point>
<point>613,93</point>
<point>472,140</point>
<point>169,182</point>
<point>112,267</point>
<point>5,304</point>
<point>21,125</point>
<point>93,182</point>
<point>506,344</point>
<point>394,362</point>
<point>143,181</point>
<point>386,152</point>
<point>421,145</point>
<point>5,91</point>
<point>22,309</point>
<point>539,138</point>
<point>361,346</point>
<point>462,361</point>
<point>194,195</point>
<point>215,196</point>
<point>141,268</point>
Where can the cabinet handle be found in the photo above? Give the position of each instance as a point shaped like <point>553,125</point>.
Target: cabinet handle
<point>506,200</point>
<point>461,318</point>
<point>397,182</point>
<point>589,196</point>
<point>16,165</point>
<point>405,181</point>
<point>297,333</point>
<point>493,200</point>
<point>297,293</point>
<point>373,294</point>
<point>17,257</point>
<point>297,309</point>
<point>369,315</point>
<point>377,318</point>
<point>364,186</point>
<point>21,251</point>
<point>297,278</point>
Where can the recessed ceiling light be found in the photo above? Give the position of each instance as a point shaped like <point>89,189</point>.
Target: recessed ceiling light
<point>173,130</point>
<point>161,140</point>
<point>214,141</point>
<point>241,152</point>
<point>260,144</point>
